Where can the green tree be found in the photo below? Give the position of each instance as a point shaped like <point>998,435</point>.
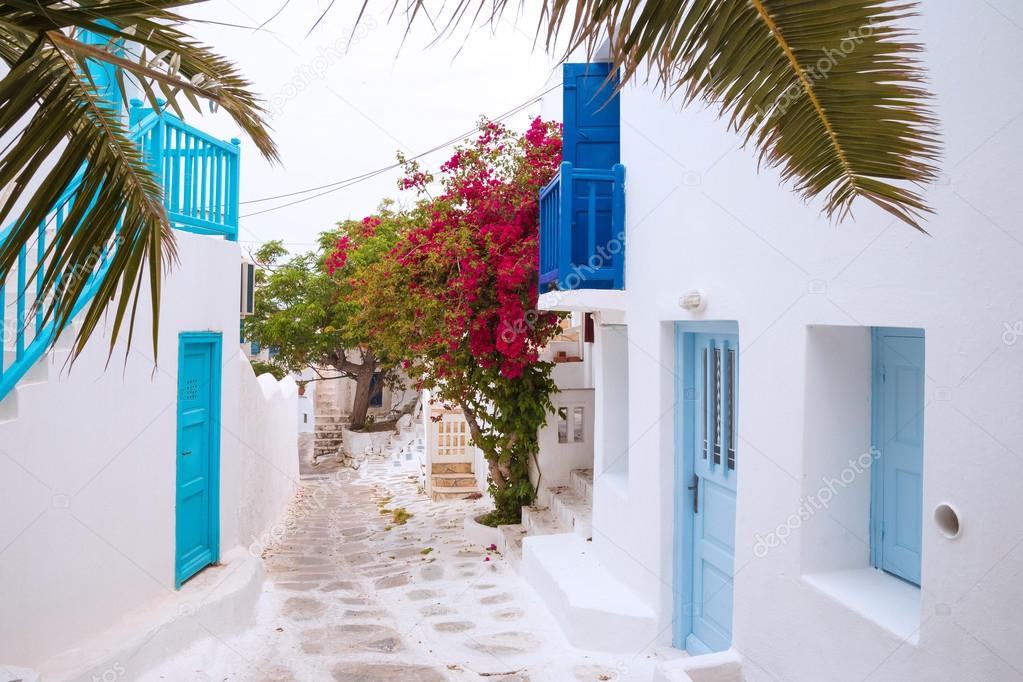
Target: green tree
<point>304,306</point>
<point>831,93</point>
<point>57,122</point>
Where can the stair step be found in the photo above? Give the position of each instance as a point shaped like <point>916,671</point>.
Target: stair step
<point>541,522</point>
<point>461,494</point>
<point>582,481</point>
<point>573,510</point>
<point>509,542</point>
<point>452,468</point>
<point>454,481</point>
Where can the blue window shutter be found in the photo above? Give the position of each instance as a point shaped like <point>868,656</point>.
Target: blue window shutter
<point>592,116</point>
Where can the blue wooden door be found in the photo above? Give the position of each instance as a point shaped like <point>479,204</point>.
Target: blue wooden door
<point>592,140</point>
<point>708,486</point>
<point>898,438</point>
<point>197,505</point>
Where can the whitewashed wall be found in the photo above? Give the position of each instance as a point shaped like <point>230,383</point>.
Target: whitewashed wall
<point>700,215</point>
<point>87,466</point>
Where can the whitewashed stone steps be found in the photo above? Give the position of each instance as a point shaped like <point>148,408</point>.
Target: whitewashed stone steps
<point>454,480</point>
<point>451,493</point>
<point>582,482</point>
<point>573,511</point>
<point>509,542</point>
<point>541,522</point>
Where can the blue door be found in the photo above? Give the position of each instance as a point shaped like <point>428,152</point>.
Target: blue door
<point>197,508</point>
<point>898,430</point>
<point>707,431</point>
<point>592,140</point>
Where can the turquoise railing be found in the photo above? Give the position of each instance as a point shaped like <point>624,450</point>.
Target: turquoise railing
<point>199,172</point>
<point>199,176</point>
<point>582,229</point>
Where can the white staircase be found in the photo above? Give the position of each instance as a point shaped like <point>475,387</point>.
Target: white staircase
<point>328,422</point>
<point>558,509</point>
<point>452,481</point>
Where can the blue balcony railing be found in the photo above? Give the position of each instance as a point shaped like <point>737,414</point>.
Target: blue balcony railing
<point>582,229</point>
<point>199,175</point>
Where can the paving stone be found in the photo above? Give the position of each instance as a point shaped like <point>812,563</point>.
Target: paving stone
<point>508,614</point>
<point>505,643</point>
<point>432,572</point>
<point>420,595</point>
<point>496,598</point>
<point>304,608</point>
<point>392,581</point>
<point>343,639</point>
<point>381,672</point>
<point>454,626</point>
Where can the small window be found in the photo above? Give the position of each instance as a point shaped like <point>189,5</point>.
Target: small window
<point>571,424</point>
<point>577,424</point>
<point>562,425</point>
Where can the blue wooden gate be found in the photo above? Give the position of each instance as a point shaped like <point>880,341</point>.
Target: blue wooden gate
<point>707,467</point>
<point>897,436</point>
<point>197,508</point>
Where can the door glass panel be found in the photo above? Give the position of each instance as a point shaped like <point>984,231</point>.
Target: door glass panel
<point>717,406</point>
<point>703,379</point>
<point>731,408</point>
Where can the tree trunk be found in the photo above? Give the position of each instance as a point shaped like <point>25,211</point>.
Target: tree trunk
<point>363,393</point>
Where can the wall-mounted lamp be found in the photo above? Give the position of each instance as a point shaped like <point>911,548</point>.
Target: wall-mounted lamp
<point>694,300</point>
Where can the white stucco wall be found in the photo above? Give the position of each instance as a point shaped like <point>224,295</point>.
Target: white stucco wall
<point>556,460</point>
<point>700,215</point>
<point>87,466</point>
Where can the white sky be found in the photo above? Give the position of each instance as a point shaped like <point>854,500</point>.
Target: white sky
<point>339,114</point>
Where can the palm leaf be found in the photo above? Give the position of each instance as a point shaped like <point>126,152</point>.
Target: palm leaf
<point>61,133</point>
<point>828,91</point>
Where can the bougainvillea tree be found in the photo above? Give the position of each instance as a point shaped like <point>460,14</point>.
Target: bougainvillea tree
<point>456,297</point>
<point>304,307</point>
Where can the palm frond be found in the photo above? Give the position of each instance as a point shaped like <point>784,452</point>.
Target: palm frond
<point>66,144</point>
<point>828,91</point>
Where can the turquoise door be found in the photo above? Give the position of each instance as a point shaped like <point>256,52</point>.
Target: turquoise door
<point>707,431</point>
<point>197,508</point>
<point>898,431</point>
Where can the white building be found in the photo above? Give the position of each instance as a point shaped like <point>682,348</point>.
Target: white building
<point>135,499</point>
<point>817,469</point>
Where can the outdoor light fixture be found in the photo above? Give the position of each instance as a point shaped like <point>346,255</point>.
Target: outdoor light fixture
<point>694,300</point>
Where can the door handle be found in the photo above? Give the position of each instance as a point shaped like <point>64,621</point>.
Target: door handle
<point>695,487</point>
<point>186,453</point>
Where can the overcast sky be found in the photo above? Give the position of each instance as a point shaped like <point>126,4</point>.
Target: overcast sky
<point>340,110</point>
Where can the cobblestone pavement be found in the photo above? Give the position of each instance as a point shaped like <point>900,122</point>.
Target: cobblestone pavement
<point>353,595</point>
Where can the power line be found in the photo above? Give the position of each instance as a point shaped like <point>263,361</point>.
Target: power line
<point>348,182</point>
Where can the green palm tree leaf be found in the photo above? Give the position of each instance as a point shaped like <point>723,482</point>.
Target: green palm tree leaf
<point>830,92</point>
<point>61,136</point>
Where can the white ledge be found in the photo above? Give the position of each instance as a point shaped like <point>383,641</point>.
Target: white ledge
<point>879,597</point>
<point>583,300</point>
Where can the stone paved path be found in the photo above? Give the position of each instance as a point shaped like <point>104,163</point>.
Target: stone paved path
<point>353,596</point>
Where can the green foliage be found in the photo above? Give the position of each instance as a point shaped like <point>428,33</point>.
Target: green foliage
<point>305,308</point>
<point>260,368</point>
